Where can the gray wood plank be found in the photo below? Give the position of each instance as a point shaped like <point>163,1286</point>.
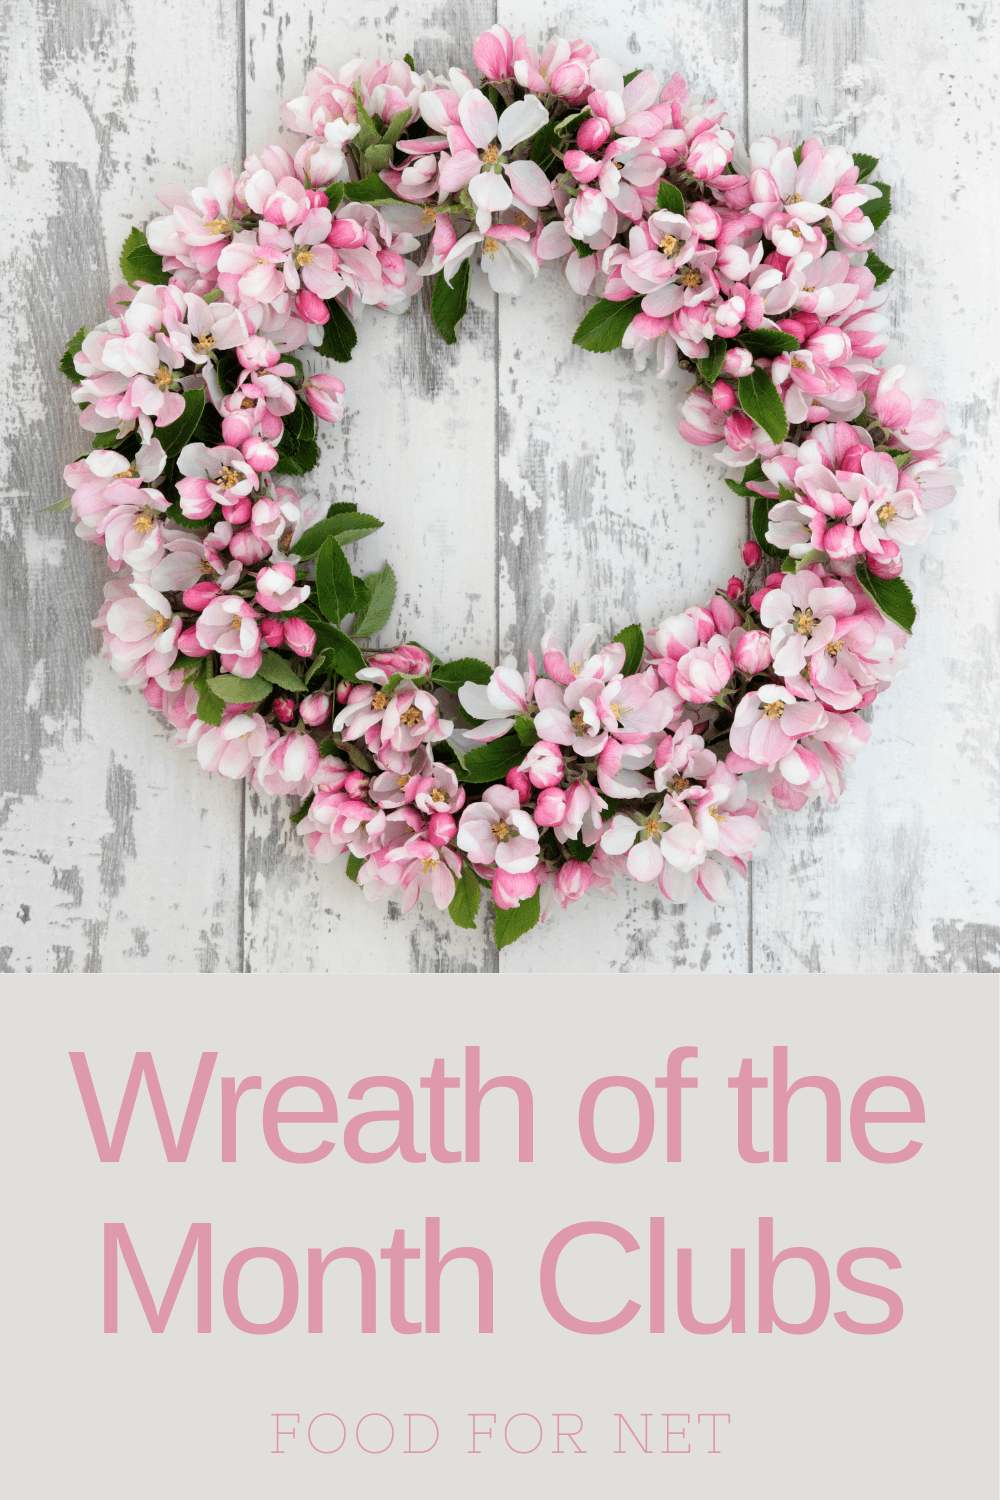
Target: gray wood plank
<point>119,852</point>
<point>605,512</point>
<point>418,448</point>
<point>902,874</point>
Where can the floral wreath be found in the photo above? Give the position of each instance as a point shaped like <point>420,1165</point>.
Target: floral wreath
<point>658,755</point>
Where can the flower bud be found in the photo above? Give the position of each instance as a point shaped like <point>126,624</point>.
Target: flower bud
<point>260,455</point>
<point>310,308</point>
<point>723,396</point>
<point>343,691</point>
<point>441,829</point>
<point>518,782</point>
<point>412,661</point>
<point>273,632</point>
<point>300,637</point>
<point>188,642</point>
<point>315,709</point>
<point>247,547</point>
<point>199,594</point>
<point>723,613</point>
<point>734,587</point>
<point>550,808</point>
<point>510,890</point>
<point>737,362</point>
<point>284,710</point>
<point>573,881</point>
<point>238,513</point>
<point>753,652</point>
<point>593,133</point>
<point>752,554</point>
<point>325,395</point>
<point>889,565</point>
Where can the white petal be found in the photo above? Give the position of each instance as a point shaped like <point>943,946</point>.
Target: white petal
<point>519,122</point>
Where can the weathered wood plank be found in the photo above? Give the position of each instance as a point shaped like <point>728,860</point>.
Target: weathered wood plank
<point>119,853</point>
<point>902,875</point>
<point>605,512</point>
<point>418,448</point>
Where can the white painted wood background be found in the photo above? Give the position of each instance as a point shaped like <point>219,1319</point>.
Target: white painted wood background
<point>525,484</point>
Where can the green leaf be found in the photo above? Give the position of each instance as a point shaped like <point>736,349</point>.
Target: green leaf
<point>232,689</point>
<point>139,263</point>
<point>370,189</point>
<point>488,763</point>
<point>758,524</point>
<point>710,367</point>
<point>509,925</point>
<point>455,674</point>
<point>59,505</point>
<point>448,303</point>
<point>629,76</point>
<point>524,728</point>
<point>346,526</point>
<point>379,606</point>
<point>343,654</point>
<point>604,327</point>
<point>542,147</point>
<point>275,668</point>
<point>334,196</point>
<point>395,127</point>
<point>176,434</point>
<point>299,814</point>
<point>409,61</point>
<point>73,347</point>
<point>878,267</point>
<point>353,866</point>
<point>879,209</point>
<point>760,400</point>
<point>339,334</point>
<point>633,641</point>
<point>334,582</point>
<point>340,505</point>
<point>797,155</point>
<point>209,705</point>
<point>865,164</point>
<point>892,596</point>
<point>581,247</point>
<point>465,902</point>
<point>766,343</point>
<point>670,197</point>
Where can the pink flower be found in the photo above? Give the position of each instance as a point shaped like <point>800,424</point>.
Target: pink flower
<point>508,692</point>
<point>229,625</point>
<point>315,709</point>
<point>426,867</point>
<point>498,830</point>
<point>325,395</point>
<point>703,673</point>
<point>232,748</point>
<point>288,765</point>
<point>300,637</point>
<point>143,631</point>
<point>573,881</point>
<point>543,765</point>
<point>511,887</point>
<point>277,589</point>
<point>212,476</point>
<point>767,724</point>
<point>410,660</point>
<point>483,168</point>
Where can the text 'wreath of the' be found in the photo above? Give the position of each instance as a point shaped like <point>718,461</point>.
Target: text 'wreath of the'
<point>658,755</point>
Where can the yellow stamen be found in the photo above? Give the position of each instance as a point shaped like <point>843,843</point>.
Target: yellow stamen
<point>679,784</point>
<point>834,649</point>
<point>795,198</point>
<point>411,718</point>
<point>652,826</point>
<point>439,795</point>
<point>690,277</point>
<point>578,722</point>
<point>670,245</point>
<point>429,863</point>
<point>774,710</point>
<point>715,813</point>
<point>228,477</point>
<point>501,832</point>
<point>303,257</point>
<point>217,226</point>
<point>490,246</point>
<point>805,622</point>
<point>144,521</point>
<point>798,364</point>
<point>247,403</point>
<point>157,622</point>
<point>380,701</point>
<point>490,155</point>
<point>163,377</point>
<point>886,513</point>
<point>796,231</point>
<point>206,342</point>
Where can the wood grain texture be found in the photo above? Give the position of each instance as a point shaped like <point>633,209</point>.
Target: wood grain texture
<point>902,874</point>
<point>526,486</point>
<point>118,853</point>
